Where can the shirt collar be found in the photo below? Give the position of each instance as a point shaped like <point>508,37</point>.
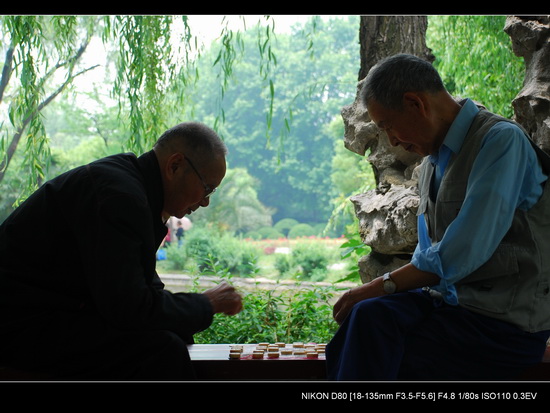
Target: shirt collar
<point>457,132</point>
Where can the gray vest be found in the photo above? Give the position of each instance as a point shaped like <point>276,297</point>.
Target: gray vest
<point>514,284</point>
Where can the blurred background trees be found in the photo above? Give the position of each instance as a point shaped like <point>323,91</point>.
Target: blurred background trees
<point>76,88</point>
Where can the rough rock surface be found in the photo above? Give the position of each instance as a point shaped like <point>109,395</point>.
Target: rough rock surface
<point>388,219</point>
<point>531,40</point>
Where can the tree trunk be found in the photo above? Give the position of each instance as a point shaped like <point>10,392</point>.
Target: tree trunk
<point>383,36</point>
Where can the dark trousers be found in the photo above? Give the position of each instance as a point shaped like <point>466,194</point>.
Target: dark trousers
<point>77,346</point>
<point>410,336</point>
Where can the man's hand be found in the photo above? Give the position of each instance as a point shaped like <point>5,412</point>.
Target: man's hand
<point>225,299</point>
<point>351,297</point>
<point>407,278</point>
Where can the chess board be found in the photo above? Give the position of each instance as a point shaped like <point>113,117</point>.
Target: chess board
<point>261,361</point>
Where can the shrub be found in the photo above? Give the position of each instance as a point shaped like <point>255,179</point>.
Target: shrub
<point>283,264</point>
<point>176,256</point>
<point>237,256</point>
<point>270,316</point>
<point>216,253</point>
<point>269,233</point>
<point>301,230</point>
<point>308,316</point>
<point>312,260</point>
<point>255,235</point>
<point>200,246</point>
<point>285,225</point>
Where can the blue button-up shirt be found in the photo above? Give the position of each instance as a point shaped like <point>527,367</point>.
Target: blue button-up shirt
<point>506,175</point>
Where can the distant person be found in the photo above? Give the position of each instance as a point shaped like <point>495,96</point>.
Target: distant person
<point>180,233</point>
<point>95,308</point>
<point>168,237</point>
<point>483,254</point>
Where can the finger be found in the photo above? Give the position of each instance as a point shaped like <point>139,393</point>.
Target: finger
<point>342,313</point>
<point>339,304</point>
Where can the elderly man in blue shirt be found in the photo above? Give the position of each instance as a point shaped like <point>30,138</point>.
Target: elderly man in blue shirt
<point>474,302</point>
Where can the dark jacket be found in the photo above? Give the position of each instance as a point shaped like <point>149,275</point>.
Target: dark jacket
<point>87,241</point>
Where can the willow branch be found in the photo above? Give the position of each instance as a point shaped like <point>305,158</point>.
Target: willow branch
<point>19,132</point>
<point>6,71</point>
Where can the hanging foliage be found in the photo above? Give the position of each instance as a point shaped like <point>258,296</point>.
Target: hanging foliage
<point>39,64</point>
<point>475,59</point>
<point>154,58</point>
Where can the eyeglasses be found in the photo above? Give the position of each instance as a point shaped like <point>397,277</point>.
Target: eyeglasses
<point>207,189</point>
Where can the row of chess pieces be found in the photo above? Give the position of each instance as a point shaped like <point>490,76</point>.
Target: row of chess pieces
<point>276,350</point>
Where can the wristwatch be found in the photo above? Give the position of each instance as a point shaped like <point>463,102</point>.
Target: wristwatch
<point>389,285</point>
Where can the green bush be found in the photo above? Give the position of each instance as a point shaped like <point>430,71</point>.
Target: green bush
<point>217,252</point>
<point>285,225</point>
<point>309,315</point>
<point>301,230</point>
<point>283,264</point>
<point>270,316</point>
<point>200,246</point>
<point>270,233</point>
<point>307,260</point>
<point>176,256</point>
<point>237,256</point>
<point>255,235</point>
<point>312,260</point>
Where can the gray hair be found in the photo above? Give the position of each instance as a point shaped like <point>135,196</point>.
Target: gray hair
<point>392,77</point>
<point>194,138</point>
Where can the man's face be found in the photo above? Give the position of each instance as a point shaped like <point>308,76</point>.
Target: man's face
<point>408,128</point>
<point>188,185</point>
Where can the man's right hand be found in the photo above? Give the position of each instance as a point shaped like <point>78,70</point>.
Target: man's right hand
<point>225,299</point>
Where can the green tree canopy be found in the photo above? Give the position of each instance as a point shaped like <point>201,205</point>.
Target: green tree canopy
<point>275,99</point>
<point>312,77</point>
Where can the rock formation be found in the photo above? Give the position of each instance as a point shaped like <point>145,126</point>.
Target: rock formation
<point>530,37</point>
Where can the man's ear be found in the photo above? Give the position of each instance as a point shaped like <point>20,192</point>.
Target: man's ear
<point>415,101</point>
<point>173,163</point>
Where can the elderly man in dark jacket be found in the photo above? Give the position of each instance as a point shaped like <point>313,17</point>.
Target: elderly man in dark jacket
<point>83,301</point>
